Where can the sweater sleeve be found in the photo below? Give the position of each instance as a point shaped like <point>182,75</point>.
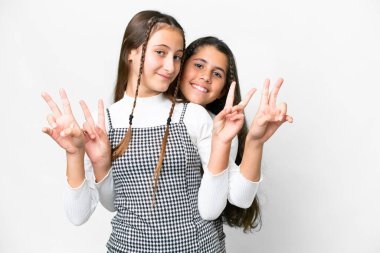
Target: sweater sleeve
<point>107,192</point>
<point>80,202</point>
<point>241,190</point>
<point>213,191</point>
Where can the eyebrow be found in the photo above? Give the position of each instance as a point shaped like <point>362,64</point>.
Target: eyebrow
<point>163,45</point>
<point>203,60</point>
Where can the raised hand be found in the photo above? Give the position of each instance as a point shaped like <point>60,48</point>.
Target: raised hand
<point>269,116</point>
<point>64,129</point>
<point>230,120</point>
<point>97,145</point>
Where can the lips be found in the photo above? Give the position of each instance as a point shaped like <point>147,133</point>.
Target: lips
<point>167,77</point>
<point>199,88</point>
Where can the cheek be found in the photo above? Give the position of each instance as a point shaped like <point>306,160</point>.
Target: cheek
<point>189,73</point>
<point>151,61</point>
<point>185,76</point>
<point>219,89</point>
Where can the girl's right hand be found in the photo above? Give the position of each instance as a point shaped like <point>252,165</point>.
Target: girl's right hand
<point>97,145</point>
<point>230,120</point>
<point>64,128</point>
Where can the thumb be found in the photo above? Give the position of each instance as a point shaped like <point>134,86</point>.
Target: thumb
<point>221,115</point>
<point>100,132</point>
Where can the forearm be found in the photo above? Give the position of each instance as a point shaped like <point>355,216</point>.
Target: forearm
<point>101,171</point>
<point>75,168</point>
<point>80,202</point>
<point>212,195</point>
<point>106,191</point>
<point>219,157</point>
<point>250,166</point>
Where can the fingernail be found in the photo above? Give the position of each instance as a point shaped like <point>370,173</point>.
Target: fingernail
<point>54,125</point>
<point>62,134</point>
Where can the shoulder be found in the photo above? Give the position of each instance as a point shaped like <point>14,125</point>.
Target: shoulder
<point>118,113</point>
<point>117,107</point>
<point>198,112</point>
<point>198,121</point>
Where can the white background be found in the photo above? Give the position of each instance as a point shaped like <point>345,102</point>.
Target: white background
<point>321,188</point>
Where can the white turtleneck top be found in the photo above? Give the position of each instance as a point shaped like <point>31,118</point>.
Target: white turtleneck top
<point>80,202</point>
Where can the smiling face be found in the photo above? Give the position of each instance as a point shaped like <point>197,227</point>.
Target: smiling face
<point>204,75</point>
<point>162,62</point>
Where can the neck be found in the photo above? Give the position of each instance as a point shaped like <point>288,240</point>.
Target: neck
<point>143,90</point>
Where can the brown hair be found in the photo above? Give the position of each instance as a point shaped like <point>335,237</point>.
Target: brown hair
<point>249,218</point>
<point>137,34</point>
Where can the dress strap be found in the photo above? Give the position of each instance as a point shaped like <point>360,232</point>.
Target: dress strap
<point>109,119</point>
<point>183,112</point>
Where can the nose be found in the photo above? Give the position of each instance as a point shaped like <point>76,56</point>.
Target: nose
<point>169,64</point>
<point>205,77</point>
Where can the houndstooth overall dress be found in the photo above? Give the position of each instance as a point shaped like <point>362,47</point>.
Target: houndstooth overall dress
<point>174,224</point>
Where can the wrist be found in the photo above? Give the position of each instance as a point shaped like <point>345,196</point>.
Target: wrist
<point>105,167</point>
<point>254,143</point>
<point>216,139</point>
<point>75,168</point>
<point>219,155</point>
<point>77,155</point>
<point>101,171</point>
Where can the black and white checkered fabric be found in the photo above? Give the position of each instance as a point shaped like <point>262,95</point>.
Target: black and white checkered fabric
<point>174,223</point>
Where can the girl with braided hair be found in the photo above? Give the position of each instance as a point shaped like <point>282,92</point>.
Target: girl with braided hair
<point>209,69</point>
<point>162,201</point>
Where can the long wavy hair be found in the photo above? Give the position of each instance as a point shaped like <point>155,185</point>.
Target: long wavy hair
<point>246,218</point>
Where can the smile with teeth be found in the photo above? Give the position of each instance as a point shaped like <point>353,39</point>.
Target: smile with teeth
<point>200,88</point>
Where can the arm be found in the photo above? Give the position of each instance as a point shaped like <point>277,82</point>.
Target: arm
<point>267,120</point>
<point>212,194</point>
<point>81,201</point>
<point>98,149</point>
<point>265,123</point>
<point>241,190</point>
<point>66,132</point>
<point>215,186</point>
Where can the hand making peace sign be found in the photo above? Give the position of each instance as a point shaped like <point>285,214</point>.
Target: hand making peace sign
<point>64,128</point>
<point>269,116</point>
<point>230,120</point>
<point>97,145</point>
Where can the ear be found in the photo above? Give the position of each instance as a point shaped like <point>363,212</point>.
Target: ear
<point>132,54</point>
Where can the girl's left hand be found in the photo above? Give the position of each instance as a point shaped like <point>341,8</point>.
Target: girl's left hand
<point>269,116</point>
<point>230,120</point>
<point>97,145</point>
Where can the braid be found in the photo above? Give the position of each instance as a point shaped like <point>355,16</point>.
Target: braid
<point>123,145</point>
<point>166,135</point>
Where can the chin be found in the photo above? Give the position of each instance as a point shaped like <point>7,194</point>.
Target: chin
<point>163,89</point>
<point>197,100</point>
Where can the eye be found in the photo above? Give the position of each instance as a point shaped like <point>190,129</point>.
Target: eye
<point>198,65</point>
<point>217,74</point>
<point>177,57</point>
<point>160,52</point>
